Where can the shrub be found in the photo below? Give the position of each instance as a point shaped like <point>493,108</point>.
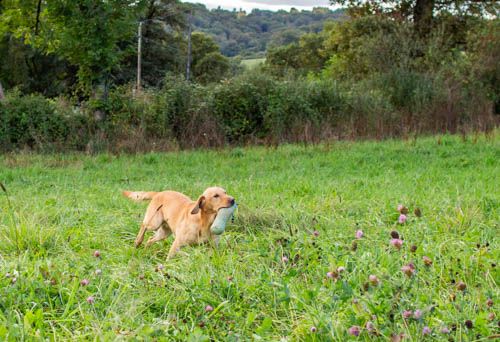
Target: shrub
<point>239,105</point>
<point>31,121</point>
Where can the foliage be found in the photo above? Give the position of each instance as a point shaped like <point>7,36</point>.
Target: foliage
<point>255,107</point>
<point>92,39</point>
<point>301,111</point>
<point>420,12</point>
<point>208,64</point>
<point>250,34</point>
<point>240,105</point>
<point>37,123</point>
<point>63,207</point>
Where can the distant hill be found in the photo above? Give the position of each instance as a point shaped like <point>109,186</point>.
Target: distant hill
<point>249,34</point>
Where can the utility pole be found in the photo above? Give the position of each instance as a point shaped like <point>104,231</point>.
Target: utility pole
<point>139,57</point>
<point>188,66</point>
<point>139,49</point>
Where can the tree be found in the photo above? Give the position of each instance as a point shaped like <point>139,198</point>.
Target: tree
<point>24,62</point>
<point>304,56</point>
<point>421,12</point>
<point>85,33</point>
<point>89,33</point>
<point>209,65</point>
<point>163,44</point>
<point>93,41</point>
<point>211,68</point>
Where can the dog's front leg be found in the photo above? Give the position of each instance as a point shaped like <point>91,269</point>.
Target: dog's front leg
<point>176,245</point>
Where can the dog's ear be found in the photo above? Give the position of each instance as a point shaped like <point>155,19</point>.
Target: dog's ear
<point>199,205</point>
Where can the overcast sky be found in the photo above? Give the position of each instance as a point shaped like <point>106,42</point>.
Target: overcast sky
<point>248,5</point>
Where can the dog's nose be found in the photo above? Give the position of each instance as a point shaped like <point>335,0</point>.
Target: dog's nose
<point>232,201</point>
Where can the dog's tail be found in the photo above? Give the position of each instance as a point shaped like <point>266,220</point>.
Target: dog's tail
<point>139,195</point>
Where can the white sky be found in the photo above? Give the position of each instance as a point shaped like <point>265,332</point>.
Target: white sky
<point>273,5</point>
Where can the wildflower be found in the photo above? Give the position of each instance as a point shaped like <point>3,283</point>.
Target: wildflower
<point>402,209</point>
<point>395,234</point>
<point>407,314</point>
<point>426,330</point>
<point>397,243</point>
<point>413,248</point>
<point>7,275</point>
<point>14,280</point>
<point>445,330</point>
<point>491,316</point>
<point>402,218</point>
<point>489,302</point>
<point>332,275</point>
<point>84,282</point>
<point>90,299</point>
<point>468,324</point>
<point>427,260</point>
<point>209,308</point>
<point>461,286</point>
<point>409,269</point>
<point>316,233</point>
<point>354,330</point>
<point>418,212</point>
<point>340,269</point>
<point>354,246</point>
<point>359,234</point>
<point>373,279</point>
<point>313,329</point>
<point>284,258</point>
<point>160,267</point>
<point>369,326</point>
<point>417,314</point>
<point>97,254</point>
<point>98,272</point>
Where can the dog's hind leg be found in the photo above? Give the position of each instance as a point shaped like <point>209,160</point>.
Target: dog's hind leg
<point>152,221</point>
<point>161,234</point>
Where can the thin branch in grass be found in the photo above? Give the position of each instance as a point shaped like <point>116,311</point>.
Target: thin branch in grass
<point>6,193</point>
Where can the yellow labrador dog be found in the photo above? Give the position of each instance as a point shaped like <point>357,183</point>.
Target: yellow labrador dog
<point>171,212</point>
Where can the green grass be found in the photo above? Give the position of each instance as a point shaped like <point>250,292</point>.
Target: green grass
<point>64,207</point>
<point>252,63</point>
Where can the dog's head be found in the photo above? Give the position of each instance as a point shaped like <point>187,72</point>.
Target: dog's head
<point>212,200</point>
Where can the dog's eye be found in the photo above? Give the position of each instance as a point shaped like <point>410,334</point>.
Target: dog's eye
<point>216,195</point>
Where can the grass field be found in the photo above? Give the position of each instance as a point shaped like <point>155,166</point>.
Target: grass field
<point>276,273</point>
<point>252,63</point>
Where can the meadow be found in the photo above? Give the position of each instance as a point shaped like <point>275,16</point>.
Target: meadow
<point>252,63</point>
<point>318,250</point>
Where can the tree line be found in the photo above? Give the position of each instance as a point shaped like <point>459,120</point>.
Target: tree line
<point>248,35</point>
<point>387,69</point>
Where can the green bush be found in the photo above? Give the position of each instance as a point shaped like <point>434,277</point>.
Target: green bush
<point>239,105</point>
<point>175,100</point>
<point>31,121</point>
<point>369,112</point>
<point>290,110</point>
<point>126,111</point>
